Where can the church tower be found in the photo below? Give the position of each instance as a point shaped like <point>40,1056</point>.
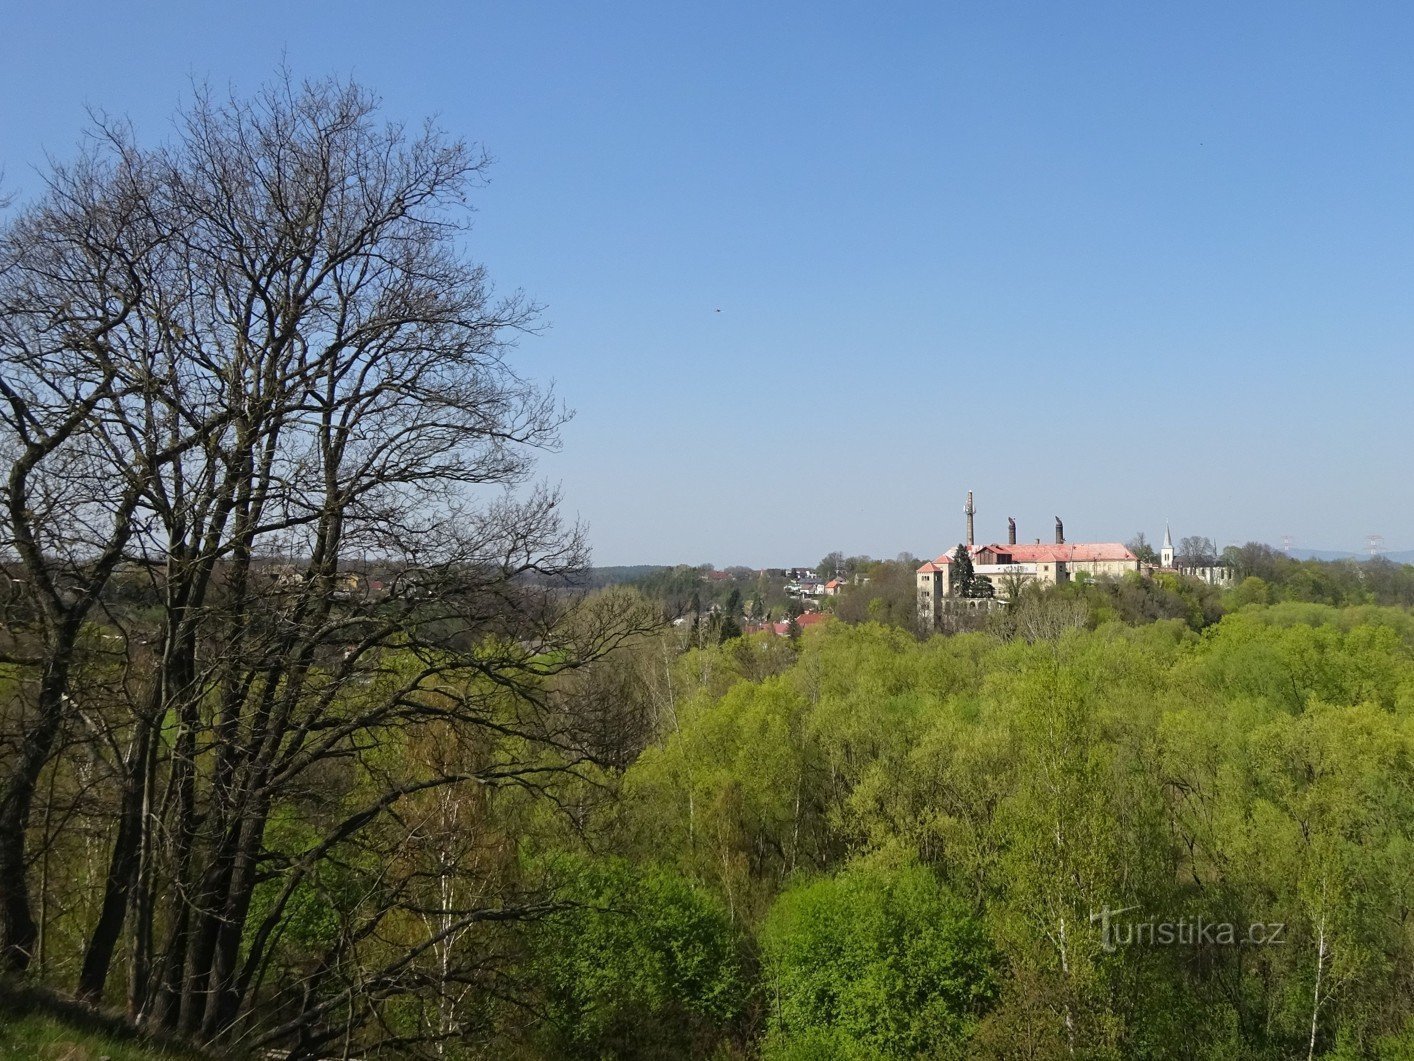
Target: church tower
<point>1166,553</point>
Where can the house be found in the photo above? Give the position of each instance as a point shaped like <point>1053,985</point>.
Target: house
<point>347,586</point>
<point>804,621</point>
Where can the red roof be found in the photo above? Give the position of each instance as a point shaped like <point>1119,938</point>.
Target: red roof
<point>1068,552</point>
<point>804,621</point>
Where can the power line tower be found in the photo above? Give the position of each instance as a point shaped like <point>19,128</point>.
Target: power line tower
<point>1375,545</point>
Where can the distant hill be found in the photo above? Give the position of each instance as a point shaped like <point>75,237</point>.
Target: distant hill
<point>1320,554</point>
<point>612,576</point>
<point>599,577</point>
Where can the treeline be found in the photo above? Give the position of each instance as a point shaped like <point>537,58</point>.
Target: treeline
<point>741,593</point>
<point>747,594</point>
<point>886,591</point>
<point>595,577</point>
<point>1278,577</point>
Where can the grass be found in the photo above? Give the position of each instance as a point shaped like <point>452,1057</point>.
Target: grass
<point>42,1037</point>
<point>40,1026</point>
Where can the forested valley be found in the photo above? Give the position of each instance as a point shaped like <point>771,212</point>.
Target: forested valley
<point>856,844</point>
<point>317,741</point>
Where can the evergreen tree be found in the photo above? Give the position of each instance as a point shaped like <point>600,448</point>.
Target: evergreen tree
<point>965,581</point>
<point>961,575</point>
<point>728,629</point>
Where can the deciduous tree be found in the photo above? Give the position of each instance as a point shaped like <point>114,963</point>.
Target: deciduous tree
<point>256,367</point>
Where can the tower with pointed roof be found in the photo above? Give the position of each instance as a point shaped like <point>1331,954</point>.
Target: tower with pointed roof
<point>1166,553</point>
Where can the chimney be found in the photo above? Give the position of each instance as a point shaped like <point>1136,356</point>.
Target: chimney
<point>1060,531</point>
<point>969,510</point>
<point>1010,530</point>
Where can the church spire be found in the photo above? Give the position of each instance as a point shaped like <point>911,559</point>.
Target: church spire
<point>1166,552</point>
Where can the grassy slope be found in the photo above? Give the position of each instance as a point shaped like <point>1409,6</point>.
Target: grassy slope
<point>44,1027</point>
<point>40,1036</point>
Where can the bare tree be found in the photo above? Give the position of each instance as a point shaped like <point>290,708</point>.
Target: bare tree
<point>1048,616</point>
<point>73,271</point>
<point>1196,551</point>
<point>1140,547</point>
<point>281,399</point>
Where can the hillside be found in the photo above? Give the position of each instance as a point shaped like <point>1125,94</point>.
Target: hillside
<point>39,1025</point>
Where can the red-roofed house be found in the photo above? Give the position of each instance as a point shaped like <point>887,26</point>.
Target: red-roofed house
<point>804,621</point>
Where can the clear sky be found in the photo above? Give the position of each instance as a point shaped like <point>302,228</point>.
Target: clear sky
<point>813,271</point>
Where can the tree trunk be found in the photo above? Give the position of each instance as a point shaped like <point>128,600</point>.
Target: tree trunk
<point>1320,970</point>
<point>18,929</point>
<point>140,969</point>
<point>122,870</point>
<point>166,1010</point>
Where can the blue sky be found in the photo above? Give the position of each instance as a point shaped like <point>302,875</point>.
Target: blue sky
<point>1118,262</point>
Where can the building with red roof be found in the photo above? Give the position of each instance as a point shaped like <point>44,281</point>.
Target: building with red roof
<point>1009,566</point>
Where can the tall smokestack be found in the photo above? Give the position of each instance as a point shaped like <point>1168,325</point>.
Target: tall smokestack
<point>1010,530</point>
<point>969,510</point>
<point>1060,531</point>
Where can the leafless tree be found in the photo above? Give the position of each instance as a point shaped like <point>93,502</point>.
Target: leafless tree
<point>73,272</point>
<point>1196,551</point>
<point>1040,614</point>
<point>254,372</point>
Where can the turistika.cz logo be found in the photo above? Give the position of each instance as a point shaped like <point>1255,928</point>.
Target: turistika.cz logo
<point>1118,931</point>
